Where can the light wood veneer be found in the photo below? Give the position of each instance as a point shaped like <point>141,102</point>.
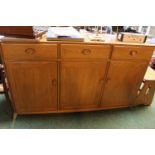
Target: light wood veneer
<point>54,77</point>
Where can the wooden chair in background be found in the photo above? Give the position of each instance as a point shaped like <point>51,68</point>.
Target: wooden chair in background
<point>145,94</point>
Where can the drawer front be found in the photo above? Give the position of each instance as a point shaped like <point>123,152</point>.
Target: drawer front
<point>132,52</point>
<point>85,51</point>
<point>29,51</point>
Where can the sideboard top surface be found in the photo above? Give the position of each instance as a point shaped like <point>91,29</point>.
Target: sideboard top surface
<point>108,40</point>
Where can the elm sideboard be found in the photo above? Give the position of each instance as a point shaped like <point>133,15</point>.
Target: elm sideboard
<point>65,76</point>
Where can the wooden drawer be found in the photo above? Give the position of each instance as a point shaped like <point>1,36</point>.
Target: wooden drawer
<point>29,51</point>
<point>85,51</point>
<point>132,52</point>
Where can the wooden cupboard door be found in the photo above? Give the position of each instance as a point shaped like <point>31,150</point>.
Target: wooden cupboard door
<point>123,81</point>
<point>81,84</point>
<point>33,86</point>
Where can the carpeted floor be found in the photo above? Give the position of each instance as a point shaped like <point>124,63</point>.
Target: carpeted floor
<point>141,117</point>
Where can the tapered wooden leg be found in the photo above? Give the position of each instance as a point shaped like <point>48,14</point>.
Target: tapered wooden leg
<point>14,119</point>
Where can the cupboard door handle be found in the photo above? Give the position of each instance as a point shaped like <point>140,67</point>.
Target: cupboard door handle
<point>54,82</point>
<point>133,52</point>
<point>86,51</point>
<point>30,51</point>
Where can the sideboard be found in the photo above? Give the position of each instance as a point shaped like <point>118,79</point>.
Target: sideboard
<point>57,76</point>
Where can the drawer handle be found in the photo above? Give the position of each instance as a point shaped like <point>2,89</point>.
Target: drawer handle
<point>86,51</point>
<point>30,51</point>
<point>133,52</point>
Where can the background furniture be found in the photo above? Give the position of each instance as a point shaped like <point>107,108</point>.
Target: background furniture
<point>3,85</point>
<point>3,82</point>
<point>22,31</point>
